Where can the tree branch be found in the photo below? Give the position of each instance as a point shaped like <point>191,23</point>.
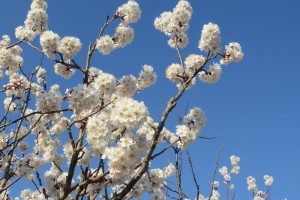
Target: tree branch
<point>193,173</point>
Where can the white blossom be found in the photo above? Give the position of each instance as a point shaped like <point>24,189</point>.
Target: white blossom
<point>39,4</point>
<point>181,40</point>
<point>105,85</point>
<point>63,70</point>
<point>186,136</point>
<point>158,194</point>
<point>9,104</point>
<point>235,169</point>
<point>105,44</point>
<point>23,146</point>
<point>99,132</point>
<point>268,180</point>
<point>169,170</point>
<point>17,85</point>
<point>23,33</point>
<point>41,74</point>
<point>10,58</point>
<point>223,170</point>
<point>252,184</point>
<point>127,86</point>
<point>175,22</point>
<point>194,62</point>
<point>128,113</point>
<point>129,12</point>
<point>233,53</point>
<point>49,42</point>
<point>123,36</point>
<point>50,101</point>
<point>174,73</point>
<point>157,178</point>
<point>37,19</point>
<point>83,98</point>
<point>216,185</point>
<point>234,160</point>
<point>195,120</point>
<point>210,38</point>
<point>146,78</point>
<point>3,139</point>
<point>69,46</point>
<point>212,74</point>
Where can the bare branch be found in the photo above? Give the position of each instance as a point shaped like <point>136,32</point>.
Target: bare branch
<point>193,173</point>
<point>34,113</point>
<point>215,171</point>
<point>178,165</point>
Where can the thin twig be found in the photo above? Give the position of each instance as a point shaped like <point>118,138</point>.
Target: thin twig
<point>178,51</point>
<point>165,149</point>
<point>178,165</point>
<point>33,113</point>
<point>92,48</point>
<point>193,173</point>
<point>34,47</point>
<point>215,171</point>
<point>170,106</point>
<point>14,44</point>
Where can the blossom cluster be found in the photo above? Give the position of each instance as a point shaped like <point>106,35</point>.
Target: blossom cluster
<point>49,42</point>
<point>146,78</point>
<point>50,101</point>
<point>129,85</point>
<point>212,75</point>
<point>233,53</point>
<point>194,64</point>
<point>10,57</point>
<point>175,24</point>
<point>99,119</point>
<point>129,12</point>
<point>210,38</point>
<point>67,46</point>
<point>259,194</point>
<point>17,85</point>
<point>235,169</point>
<point>194,122</point>
<point>35,23</point>
<point>215,194</point>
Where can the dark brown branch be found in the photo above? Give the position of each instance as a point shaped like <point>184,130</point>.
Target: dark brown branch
<point>14,44</point>
<point>165,149</point>
<point>8,173</point>
<point>69,65</point>
<point>9,185</point>
<point>6,112</point>
<point>170,106</point>
<point>92,48</point>
<point>175,191</point>
<point>75,157</point>
<point>41,185</point>
<point>95,111</point>
<point>207,138</point>
<point>215,171</point>
<point>33,113</point>
<point>178,165</point>
<point>193,173</point>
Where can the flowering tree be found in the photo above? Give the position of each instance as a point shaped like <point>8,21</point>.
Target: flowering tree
<point>107,137</point>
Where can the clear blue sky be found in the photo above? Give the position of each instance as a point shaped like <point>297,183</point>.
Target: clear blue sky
<point>254,108</point>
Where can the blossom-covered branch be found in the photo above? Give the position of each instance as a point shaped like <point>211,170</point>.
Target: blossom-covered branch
<point>96,140</point>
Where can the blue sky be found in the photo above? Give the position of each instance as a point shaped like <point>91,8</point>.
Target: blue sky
<point>254,108</point>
